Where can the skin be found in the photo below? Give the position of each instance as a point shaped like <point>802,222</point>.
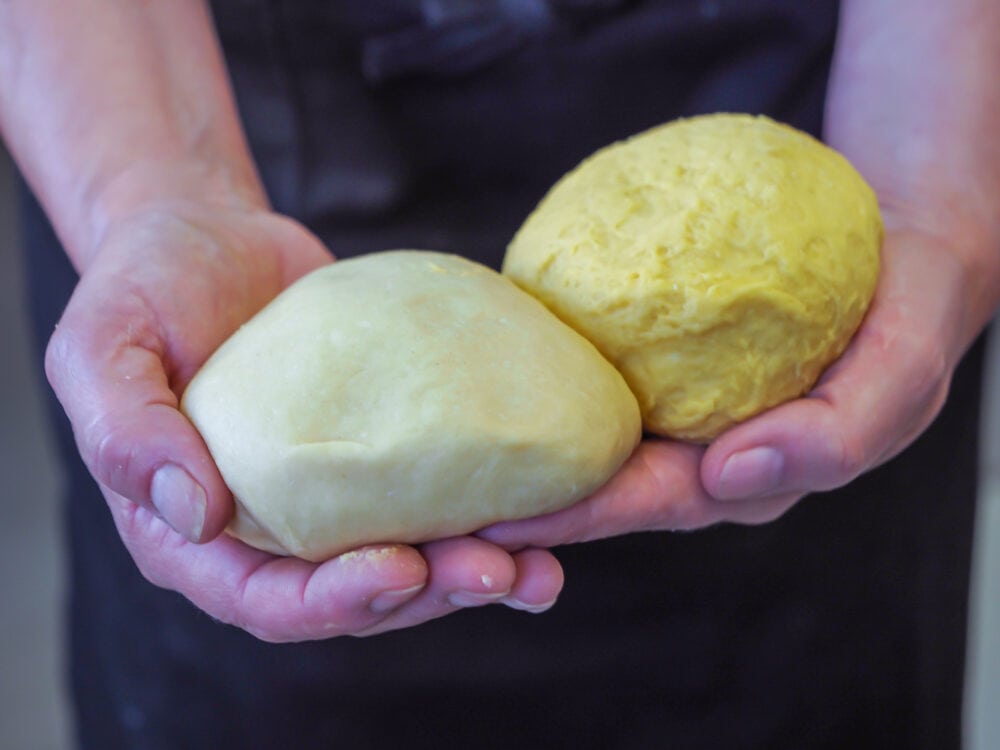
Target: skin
<point>137,155</point>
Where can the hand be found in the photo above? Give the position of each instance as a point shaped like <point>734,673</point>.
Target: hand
<point>875,400</point>
<point>165,286</point>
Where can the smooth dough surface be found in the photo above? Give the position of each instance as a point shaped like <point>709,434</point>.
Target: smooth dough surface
<point>721,263</point>
<point>405,396</point>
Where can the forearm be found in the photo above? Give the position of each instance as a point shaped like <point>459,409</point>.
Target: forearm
<point>914,104</point>
<point>107,104</point>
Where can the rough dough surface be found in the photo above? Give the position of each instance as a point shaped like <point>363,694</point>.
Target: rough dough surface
<point>720,263</point>
<point>401,397</point>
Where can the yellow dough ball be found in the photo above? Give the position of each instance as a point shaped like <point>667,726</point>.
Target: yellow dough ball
<point>721,263</point>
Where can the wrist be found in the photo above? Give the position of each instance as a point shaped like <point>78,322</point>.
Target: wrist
<point>159,186</point>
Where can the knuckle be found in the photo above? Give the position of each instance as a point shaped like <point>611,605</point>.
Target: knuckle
<point>771,509</point>
<point>270,632</point>
<point>154,574</point>
<point>932,373</point>
<point>851,460</point>
<point>145,537</point>
<point>264,634</point>
<point>669,495</point>
<point>59,353</point>
<point>110,452</point>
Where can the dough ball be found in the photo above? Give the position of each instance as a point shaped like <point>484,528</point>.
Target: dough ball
<point>401,397</point>
<point>720,263</point>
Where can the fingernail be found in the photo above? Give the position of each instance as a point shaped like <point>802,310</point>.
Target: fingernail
<point>525,607</point>
<point>751,473</point>
<point>179,500</point>
<point>390,600</point>
<point>470,599</point>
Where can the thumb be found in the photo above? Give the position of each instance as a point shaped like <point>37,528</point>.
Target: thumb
<point>877,398</point>
<point>107,365</point>
<point>873,403</point>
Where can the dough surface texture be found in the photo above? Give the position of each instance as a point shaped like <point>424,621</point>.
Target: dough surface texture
<point>401,397</point>
<point>721,263</point>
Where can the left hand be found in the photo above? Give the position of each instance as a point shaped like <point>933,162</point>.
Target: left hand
<point>869,405</point>
<point>168,283</point>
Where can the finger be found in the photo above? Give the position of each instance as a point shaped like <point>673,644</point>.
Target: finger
<point>106,364</point>
<point>657,488</point>
<point>277,599</point>
<point>814,444</point>
<point>538,581</point>
<point>463,572</point>
<point>287,599</point>
<point>877,398</point>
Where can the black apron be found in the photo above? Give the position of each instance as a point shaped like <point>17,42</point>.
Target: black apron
<point>439,125</point>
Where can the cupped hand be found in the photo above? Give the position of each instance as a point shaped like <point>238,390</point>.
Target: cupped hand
<point>165,286</point>
<point>876,399</point>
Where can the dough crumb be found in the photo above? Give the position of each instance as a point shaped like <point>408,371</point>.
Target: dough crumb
<point>371,555</point>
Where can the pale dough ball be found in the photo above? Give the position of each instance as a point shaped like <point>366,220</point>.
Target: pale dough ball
<point>720,263</point>
<point>401,397</point>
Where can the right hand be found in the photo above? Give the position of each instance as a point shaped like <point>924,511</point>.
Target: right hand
<point>165,286</point>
